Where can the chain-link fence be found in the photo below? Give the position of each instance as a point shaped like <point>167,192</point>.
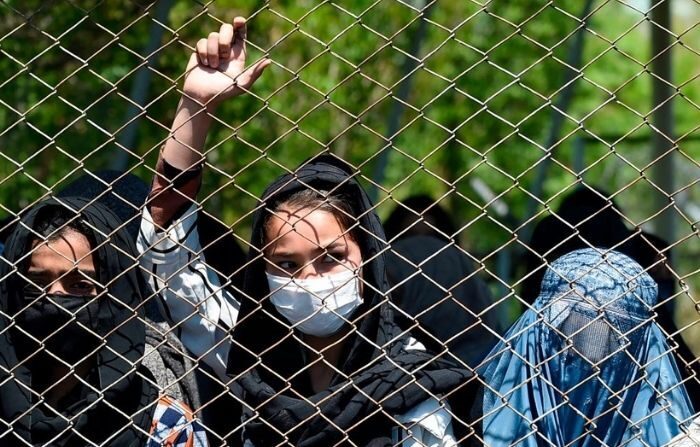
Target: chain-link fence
<point>366,222</point>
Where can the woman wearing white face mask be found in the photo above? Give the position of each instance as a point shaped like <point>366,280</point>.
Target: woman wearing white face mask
<point>309,345</point>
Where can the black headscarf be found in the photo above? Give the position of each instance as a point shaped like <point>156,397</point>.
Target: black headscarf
<point>122,192</point>
<point>406,218</point>
<point>584,219</point>
<point>123,410</point>
<point>375,361</point>
<point>437,288</point>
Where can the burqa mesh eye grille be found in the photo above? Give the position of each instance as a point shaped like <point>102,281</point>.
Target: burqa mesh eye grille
<point>350,222</point>
<point>592,339</point>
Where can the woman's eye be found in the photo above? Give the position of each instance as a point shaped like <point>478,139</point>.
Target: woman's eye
<point>287,265</point>
<point>332,258</point>
<point>83,288</point>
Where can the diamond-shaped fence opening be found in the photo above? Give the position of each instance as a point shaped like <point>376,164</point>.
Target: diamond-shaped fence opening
<point>366,223</point>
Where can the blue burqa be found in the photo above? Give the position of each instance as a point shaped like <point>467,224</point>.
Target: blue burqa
<point>586,365</point>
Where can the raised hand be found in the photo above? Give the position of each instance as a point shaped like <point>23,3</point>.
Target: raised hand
<point>217,70</point>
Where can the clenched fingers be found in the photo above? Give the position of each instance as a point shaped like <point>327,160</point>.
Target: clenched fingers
<point>225,41</point>
<point>213,50</point>
<point>239,28</point>
<point>239,35</point>
<point>202,51</point>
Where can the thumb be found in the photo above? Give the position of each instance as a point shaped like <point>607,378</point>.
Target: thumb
<point>248,77</point>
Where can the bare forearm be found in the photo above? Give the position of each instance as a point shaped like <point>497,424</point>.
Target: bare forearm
<point>178,171</point>
<point>214,73</point>
<point>184,149</point>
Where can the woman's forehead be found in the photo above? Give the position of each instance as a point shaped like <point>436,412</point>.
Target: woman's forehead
<point>305,226</point>
<point>69,250</point>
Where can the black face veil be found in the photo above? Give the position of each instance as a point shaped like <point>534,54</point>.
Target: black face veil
<point>116,406</point>
<point>267,357</point>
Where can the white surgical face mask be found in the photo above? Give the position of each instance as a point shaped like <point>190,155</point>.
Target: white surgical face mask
<point>317,306</point>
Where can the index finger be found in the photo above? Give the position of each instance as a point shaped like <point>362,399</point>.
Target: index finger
<point>239,28</point>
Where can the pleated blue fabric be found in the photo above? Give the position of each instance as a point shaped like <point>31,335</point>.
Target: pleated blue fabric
<point>586,365</point>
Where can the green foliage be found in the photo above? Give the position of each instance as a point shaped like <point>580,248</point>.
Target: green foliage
<point>478,108</point>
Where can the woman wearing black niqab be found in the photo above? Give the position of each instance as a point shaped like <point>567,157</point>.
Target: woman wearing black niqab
<point>114,402</point>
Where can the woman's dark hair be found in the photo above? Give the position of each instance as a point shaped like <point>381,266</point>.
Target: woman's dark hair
<point>53,222</point>
<point>338,203</point>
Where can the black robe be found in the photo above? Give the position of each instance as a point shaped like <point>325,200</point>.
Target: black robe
<point>441,298</point>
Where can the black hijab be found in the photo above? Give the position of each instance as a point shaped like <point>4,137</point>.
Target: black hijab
<point>122,192</point>
<point>120,414</point>
<point>267,356</point>
<point>420,215</point>
<point>437,288</point>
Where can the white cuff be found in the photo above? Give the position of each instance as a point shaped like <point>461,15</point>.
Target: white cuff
<point>159,245</point>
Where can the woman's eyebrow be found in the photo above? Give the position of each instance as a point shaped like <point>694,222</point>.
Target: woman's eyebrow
<point>39,273</point>
<point>36,273</point>
<point>281,254</point>
<point>90,273</point>
<point>338,243</point>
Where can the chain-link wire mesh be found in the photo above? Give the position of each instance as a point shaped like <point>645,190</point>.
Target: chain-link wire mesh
<point>366,222</point>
